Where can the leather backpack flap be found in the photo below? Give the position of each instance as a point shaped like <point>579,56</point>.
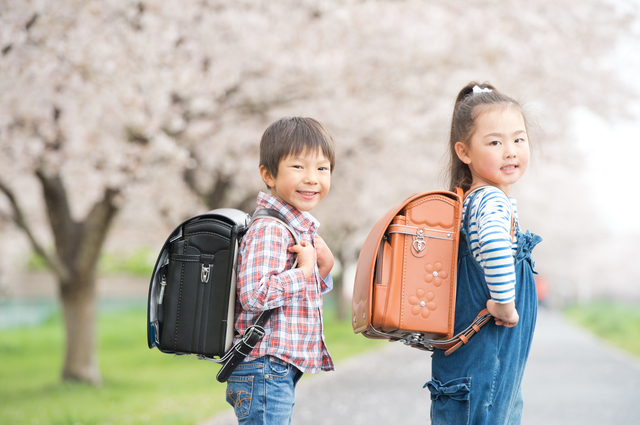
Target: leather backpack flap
<point>427,304</point>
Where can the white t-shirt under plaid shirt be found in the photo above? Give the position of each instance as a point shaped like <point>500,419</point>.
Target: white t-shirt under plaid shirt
<point>294,333</point>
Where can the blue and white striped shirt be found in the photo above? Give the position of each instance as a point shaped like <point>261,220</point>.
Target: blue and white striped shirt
<point>490,240</point>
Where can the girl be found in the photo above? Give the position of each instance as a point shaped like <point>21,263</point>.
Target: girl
<point>489,149</point>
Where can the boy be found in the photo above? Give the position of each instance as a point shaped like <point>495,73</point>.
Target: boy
<point>296,161</point>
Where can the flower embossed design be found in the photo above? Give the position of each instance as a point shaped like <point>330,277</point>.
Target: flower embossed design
<point>435,274</point>
<point>422,303</point>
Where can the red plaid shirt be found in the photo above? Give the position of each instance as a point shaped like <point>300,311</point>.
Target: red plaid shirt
<point>266,281</point>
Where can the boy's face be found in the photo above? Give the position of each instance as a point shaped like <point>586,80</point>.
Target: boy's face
<point>302,180</point>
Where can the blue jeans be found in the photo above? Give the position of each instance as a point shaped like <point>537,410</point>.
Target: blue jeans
<point>262,391</point>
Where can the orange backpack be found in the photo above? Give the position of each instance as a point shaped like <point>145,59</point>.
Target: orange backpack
<point>405,286</point>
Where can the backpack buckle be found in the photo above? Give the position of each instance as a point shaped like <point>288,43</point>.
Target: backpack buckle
<point>205,269</point>
<point>205,273</point>
<point>419,244</point>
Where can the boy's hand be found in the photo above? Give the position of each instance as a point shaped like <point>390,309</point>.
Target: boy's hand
<point>325,257</point>
<point>505,314</point>
<point>306,258</point>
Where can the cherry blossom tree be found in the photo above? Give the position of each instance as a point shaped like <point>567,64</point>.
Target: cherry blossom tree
<point>77,117</point>
<point>131,115</point>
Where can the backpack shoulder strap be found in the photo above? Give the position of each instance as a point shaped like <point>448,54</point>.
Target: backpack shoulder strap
<point>255,332</point>
<point>272,214</point>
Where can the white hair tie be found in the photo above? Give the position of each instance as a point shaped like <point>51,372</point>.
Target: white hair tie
<point>478,90</point>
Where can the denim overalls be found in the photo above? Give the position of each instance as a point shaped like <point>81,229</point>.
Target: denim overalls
<point>480,382</point>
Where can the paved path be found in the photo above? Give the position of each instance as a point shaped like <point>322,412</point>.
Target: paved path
<point>571,378</point>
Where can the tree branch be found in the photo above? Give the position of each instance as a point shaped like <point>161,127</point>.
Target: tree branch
<point>216,195</point>
<point>66,231</point>
<point>189,176</point>
<point>18,218</point>
<point>94,231</point>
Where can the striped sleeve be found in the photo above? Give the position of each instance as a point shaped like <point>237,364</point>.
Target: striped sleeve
<point>494,245</point>
<point>265,280</point>
<point>326,284</point>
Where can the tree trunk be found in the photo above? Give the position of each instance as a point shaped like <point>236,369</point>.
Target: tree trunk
<point>79,308</point>
<point>78,246</point>
<point>338,289</point>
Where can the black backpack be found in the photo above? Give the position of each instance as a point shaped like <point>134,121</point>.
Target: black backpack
<point>192,294</point>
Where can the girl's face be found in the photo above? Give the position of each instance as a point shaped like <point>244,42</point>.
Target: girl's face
<point>498,151</point>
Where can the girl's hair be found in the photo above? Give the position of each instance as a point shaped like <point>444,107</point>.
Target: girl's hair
<point>294,136</point>
<point>469,106</point>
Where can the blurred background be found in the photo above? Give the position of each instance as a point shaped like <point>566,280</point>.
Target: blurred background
<point>119,119</point>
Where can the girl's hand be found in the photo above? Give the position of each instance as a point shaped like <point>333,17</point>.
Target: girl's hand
<point>306,258</point>
<point>505,314</point>
<point>325,257</point>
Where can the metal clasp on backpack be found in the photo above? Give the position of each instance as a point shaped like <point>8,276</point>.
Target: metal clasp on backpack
<point>205,273</point>
<point>416,340</point>
<point>419,244</point>
<point>205,269</point>
<point>163,284</point>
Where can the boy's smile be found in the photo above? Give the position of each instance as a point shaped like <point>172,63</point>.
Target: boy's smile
<point>302,181</point>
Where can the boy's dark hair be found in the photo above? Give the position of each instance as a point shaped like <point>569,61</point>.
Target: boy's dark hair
<point>294,136</point>
<point>468,107</point>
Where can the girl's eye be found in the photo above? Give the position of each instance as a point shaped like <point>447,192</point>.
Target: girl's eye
<point>494,143</point>
<point>520,140</point>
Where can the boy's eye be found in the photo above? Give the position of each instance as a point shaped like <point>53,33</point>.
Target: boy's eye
<point>323,168</point>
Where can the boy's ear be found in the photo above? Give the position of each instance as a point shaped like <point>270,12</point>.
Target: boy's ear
<point>461,151</point>
<point>267,177</point>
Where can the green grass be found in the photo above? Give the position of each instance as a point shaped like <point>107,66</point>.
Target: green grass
<point>615,322</point>
<point>141,386</point>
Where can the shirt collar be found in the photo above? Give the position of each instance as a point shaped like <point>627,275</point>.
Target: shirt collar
<point>302,221</point>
